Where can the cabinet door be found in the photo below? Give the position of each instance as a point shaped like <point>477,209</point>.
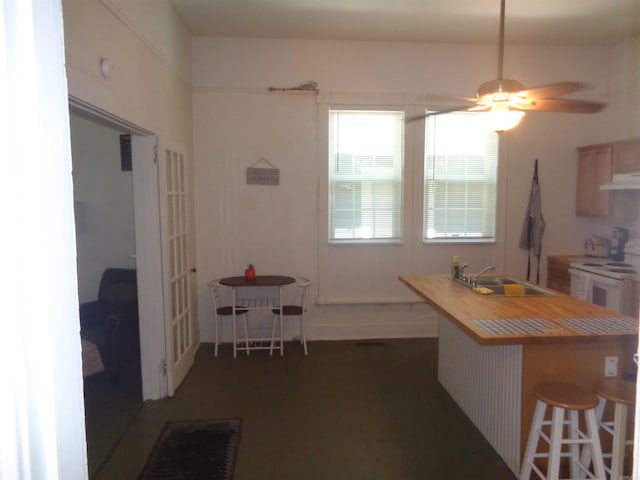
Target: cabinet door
<point>594,169</point>
<point>626,157</point>
<point>558,276</point>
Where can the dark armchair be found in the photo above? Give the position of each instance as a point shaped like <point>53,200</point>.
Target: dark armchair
<point>111,321</point>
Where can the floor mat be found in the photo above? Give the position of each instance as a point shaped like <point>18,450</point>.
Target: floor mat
<point>190,450</point>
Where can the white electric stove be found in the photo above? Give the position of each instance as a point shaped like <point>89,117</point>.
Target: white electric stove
<point>608,283</point>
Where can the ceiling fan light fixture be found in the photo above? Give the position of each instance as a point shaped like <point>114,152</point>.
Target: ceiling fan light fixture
<point>500,118</point>
<point>505,86</point>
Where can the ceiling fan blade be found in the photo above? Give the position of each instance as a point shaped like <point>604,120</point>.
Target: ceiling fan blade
<point>480,108</point>
<point>439,112</point>
<point>552,90</point>
<point>565,105</point>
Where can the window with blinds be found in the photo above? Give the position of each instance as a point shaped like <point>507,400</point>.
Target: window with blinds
<point>460,178</point>
<point>365,175</point>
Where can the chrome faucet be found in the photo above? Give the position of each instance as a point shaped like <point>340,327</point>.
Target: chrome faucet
<point>461,275</point>
<point>474,279</point>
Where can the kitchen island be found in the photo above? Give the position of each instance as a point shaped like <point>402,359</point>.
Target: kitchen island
<point>494,350</point>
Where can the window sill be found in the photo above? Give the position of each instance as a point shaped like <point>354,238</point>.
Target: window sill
<point>467,241</point>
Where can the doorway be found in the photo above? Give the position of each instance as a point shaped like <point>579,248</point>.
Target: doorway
<point>105,242</point>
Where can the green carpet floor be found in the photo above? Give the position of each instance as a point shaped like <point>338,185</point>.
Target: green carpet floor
<point>349,410</point>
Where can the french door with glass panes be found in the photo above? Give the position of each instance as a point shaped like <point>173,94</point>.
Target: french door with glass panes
<point>181,337</point>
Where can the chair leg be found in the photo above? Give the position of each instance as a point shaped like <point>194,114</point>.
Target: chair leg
<point>235,335</point>
<point>303,338</point>
<point>216,326</point>
<point>273,334</point>
<point>281,335</point>
<point>246,332</point>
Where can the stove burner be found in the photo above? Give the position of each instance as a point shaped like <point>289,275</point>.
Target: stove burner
<point>621,270</point>
<point>618,264</point>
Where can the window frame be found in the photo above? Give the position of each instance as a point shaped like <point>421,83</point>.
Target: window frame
<point>493,148</point>
<point>396,180</point>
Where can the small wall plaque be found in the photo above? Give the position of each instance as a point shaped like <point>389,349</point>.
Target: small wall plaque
<point>263,176</point>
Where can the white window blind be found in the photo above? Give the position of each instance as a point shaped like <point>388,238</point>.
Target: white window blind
<point>460,180</point>
<point>365,175</point>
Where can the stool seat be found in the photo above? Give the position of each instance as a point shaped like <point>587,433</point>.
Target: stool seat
<point>618,391</point>
<point>570,397</point>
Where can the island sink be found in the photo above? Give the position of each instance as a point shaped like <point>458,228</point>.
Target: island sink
<point>504,286</point>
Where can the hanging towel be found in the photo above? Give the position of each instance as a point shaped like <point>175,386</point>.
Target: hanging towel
<point>533,225</point>
<point>584,288</point>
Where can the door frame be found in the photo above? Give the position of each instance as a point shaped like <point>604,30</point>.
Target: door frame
<point>146,199</point>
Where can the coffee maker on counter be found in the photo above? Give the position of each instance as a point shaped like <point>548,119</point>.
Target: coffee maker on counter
<point>620,238</point>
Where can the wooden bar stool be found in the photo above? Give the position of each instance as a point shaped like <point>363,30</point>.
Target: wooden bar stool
<point>574,399</point>
<point>622,394</point>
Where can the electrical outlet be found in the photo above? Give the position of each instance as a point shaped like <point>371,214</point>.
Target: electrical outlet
<point>611,366</point>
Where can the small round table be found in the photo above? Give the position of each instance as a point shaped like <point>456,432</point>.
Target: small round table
<point>257,304</point>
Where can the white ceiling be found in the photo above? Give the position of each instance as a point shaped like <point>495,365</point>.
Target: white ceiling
<point>542,22</point>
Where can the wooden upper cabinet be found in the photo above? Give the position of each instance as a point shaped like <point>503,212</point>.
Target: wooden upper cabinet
<point>594,169</point>
<point>626,156</point>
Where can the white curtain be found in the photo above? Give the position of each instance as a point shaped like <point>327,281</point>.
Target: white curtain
<point>41,403</point>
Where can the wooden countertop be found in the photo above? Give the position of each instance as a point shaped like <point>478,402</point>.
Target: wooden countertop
<point>567,259</point>
<point>472,312</point>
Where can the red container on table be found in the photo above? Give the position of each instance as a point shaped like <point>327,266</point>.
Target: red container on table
<point>250,273</point>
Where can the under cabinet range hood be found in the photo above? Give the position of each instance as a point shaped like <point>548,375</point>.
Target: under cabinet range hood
<point>623,181</point>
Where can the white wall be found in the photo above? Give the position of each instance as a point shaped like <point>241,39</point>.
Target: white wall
<point>148,50</point>
<point>623,120</point>
<point>41,405</point>
<point>103,201</point>
<point>280,228</point>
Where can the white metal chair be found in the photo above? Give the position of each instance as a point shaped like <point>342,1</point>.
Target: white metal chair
<point>296,309</point>
<point>220,310</point>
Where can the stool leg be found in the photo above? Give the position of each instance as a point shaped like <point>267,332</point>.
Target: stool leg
<point>593,432</point>
<point>619,437</point>
<point>586,451</point>
<point>555,445</point>
<point>532,443</point>
<point>574,448</point>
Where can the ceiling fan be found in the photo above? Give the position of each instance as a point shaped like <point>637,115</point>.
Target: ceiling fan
<point>507,96</point>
